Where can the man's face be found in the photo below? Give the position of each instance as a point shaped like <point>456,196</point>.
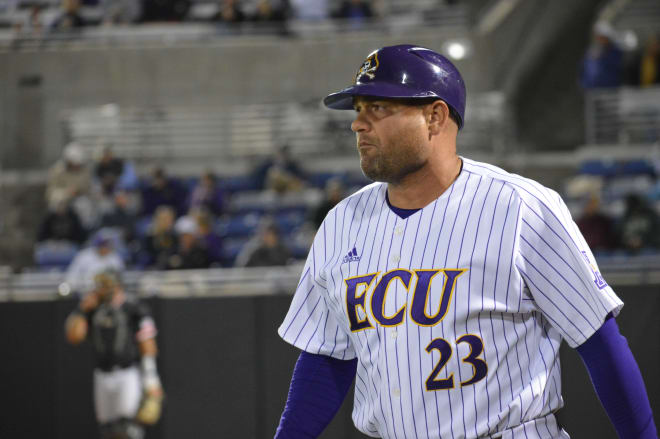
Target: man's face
<point>392,138</point>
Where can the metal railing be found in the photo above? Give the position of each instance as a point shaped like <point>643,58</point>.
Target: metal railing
<point>202,133</point>
<point>618,271</point>
<point>169,284</point>
<point>623,115</point>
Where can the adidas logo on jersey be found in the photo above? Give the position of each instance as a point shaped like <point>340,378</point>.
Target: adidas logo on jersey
<point>351,256</point>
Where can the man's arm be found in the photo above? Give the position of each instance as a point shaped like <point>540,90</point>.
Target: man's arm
<point>318,388</point>
<point>618,382</point>
<point>76,323</point>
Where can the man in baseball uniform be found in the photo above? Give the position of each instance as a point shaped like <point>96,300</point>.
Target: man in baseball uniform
<point>446,287</point>
<point>127,388</point>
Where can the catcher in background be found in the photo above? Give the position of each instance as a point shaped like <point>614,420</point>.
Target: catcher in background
<point>127,389</point>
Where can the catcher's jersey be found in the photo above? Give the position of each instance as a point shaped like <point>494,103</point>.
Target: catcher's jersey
<point>115,331</point>
<point>456,313</point>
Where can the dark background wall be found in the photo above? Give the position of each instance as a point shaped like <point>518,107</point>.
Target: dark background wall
<point>226,372</point>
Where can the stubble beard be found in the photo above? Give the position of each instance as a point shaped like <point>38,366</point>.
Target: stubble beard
<point>392,163</point>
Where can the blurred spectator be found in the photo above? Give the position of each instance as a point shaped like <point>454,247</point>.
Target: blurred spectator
<point>108,170</point>
<point>122,216</point>
<point>210,240</point>
<point>69,18</point>
<point>161,242</point>
<point>190,253</point>
<point>602,65</point>
<point>31,25</point>
<point>355,10</point>
<point>230,12</point>
<point>267,10</point>
<point>101,256</point>
<point>69,177</point>
<point>280,173</point>
<point>161,190</point>
<point>640,227</point>
<point>310,9</point>
<point>334,193</point>
<point>62,224</point>
<point>120,11</point>
<point>645,66</point>
<point>596,227</point>
<point>265,250</point>
<point>207,195</point>
<point>650,63</point>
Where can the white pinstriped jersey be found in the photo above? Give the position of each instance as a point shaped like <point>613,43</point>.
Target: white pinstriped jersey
<point>455,313</point>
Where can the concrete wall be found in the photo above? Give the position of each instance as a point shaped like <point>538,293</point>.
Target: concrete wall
<point>39,85</point>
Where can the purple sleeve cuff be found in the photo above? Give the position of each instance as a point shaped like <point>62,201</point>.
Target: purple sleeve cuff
<point>618,382</point>
<point>318,388</point>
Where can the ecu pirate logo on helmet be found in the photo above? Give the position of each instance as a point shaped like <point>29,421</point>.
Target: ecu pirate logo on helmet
<point>368,68</point>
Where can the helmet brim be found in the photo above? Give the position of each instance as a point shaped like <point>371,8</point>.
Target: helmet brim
<point>343,100</point>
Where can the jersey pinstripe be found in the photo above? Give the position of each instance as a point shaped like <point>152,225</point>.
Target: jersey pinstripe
<point>456,313</point>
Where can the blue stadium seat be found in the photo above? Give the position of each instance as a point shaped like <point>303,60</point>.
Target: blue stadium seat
<point>239,183</point>
<point>598,167</point>
<point>54,254</point>
<point>238,225</point>
<point>637,167</point>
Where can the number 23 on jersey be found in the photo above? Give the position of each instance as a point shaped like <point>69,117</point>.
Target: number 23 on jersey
<point>358,287</point>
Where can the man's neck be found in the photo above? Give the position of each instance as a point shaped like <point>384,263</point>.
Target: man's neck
<point>426,185</point>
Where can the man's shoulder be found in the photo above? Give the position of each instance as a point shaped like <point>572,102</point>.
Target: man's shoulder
<point>524,188</point>
<point>359,199</point>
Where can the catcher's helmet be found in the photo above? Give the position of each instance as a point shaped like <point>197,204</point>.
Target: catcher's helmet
<point>405,71</point>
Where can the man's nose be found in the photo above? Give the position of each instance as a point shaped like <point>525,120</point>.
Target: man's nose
<point>359,124</point>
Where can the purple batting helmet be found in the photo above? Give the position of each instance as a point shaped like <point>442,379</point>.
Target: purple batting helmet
<point>405,71</point>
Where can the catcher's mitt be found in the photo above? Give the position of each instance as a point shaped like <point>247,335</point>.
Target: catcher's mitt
<point>150,408</point>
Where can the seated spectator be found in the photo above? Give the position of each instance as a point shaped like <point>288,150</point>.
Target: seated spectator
<point>69,18</point>
<point>207,195</point>
<point>268,11</point>
<point>640,227</point>
<point>121,216</point>
<point>190,252</point>
<point>650,63</point>
<point>31,25</point>
<point>280,172</point>
<point>334,193</point>
<point>62,224</point>
<point>108,170</point>
<point>101,256</point>
<point>230,12</point>
<point>210,240</point>
<point>69,177</point>
<point>161,190</point>
<point>265,250</point>
<point>596,227</point>
<point>161,241</point>
<point>355,10</point>
<point>602,65</point>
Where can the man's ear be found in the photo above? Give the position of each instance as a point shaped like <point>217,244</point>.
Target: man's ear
<point>437,116</point>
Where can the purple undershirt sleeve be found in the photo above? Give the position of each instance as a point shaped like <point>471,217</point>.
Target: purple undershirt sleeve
<point>318,388</point>
<point>618,382</point>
